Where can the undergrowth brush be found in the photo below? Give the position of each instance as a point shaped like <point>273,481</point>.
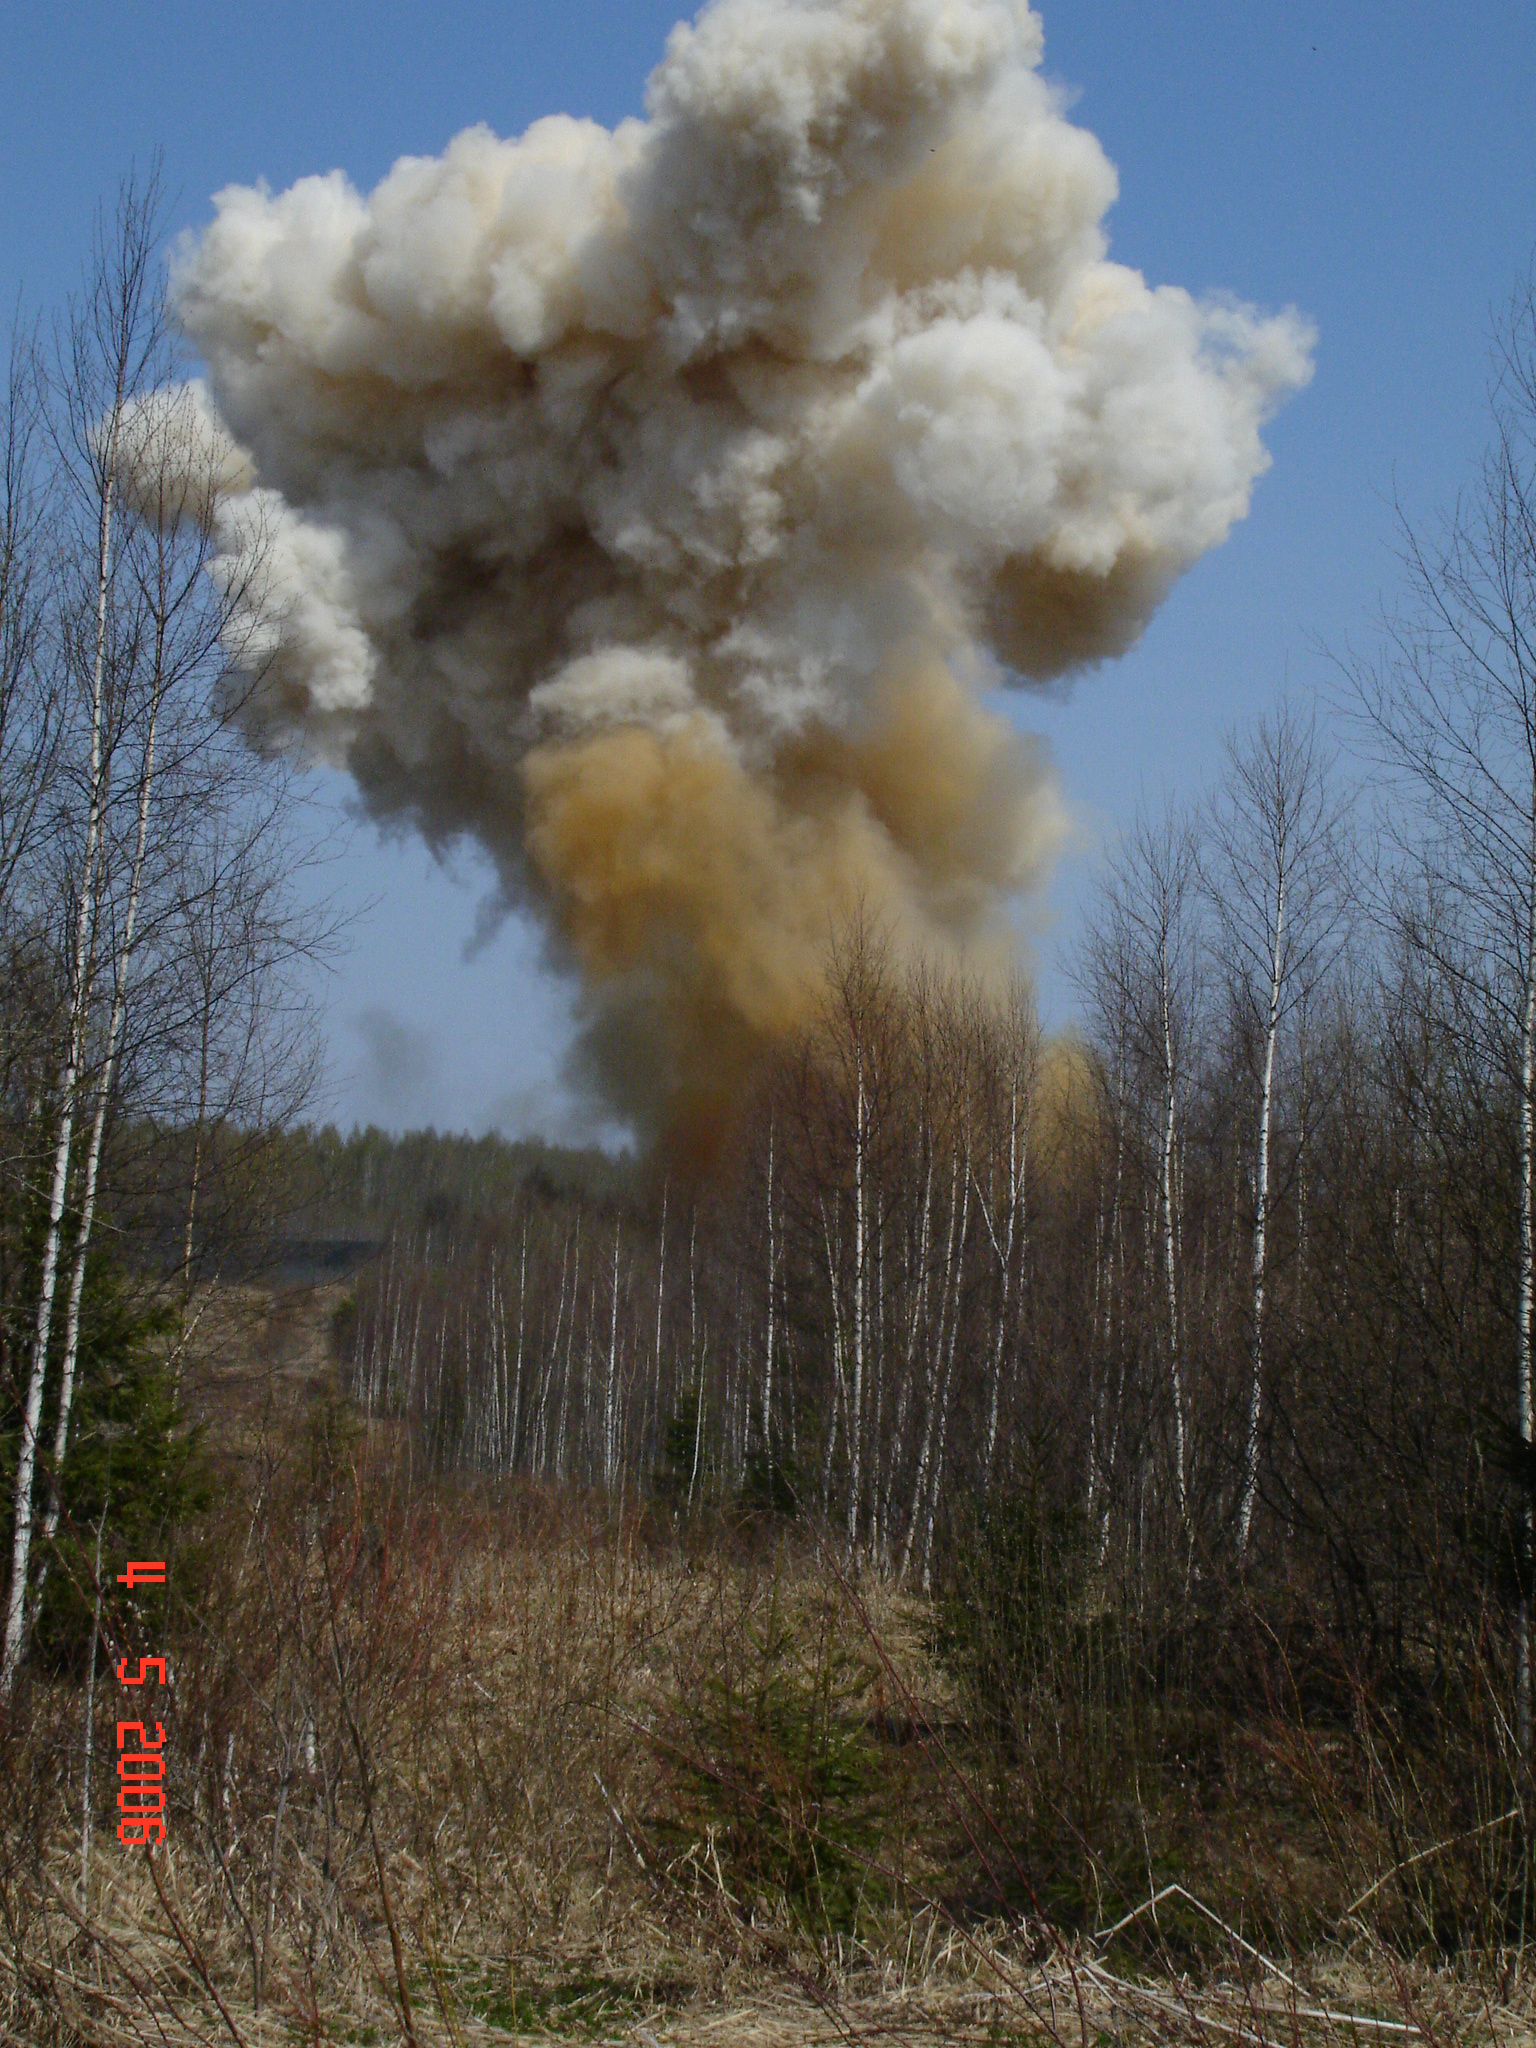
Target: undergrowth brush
<point>481,1762</point>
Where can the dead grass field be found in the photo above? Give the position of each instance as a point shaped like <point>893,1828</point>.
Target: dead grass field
<point>458,1765</point>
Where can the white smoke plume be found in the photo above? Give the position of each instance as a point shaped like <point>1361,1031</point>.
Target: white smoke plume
<point>653,504</point>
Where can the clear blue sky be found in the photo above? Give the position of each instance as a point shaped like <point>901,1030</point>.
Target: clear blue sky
<point>1371,161</point>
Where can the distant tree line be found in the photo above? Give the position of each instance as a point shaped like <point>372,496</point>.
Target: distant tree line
<point>371,1182</point>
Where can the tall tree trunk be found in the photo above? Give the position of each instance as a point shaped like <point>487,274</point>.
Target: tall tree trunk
<point>839,1376</point>
<point>768,1445</point>
<point>611,1398</point>
<point>695,1356</point>
<point>1523,1321</point>
<point>1101,1467</point>
<point>516,1413</point>
<point>661,1293</point>
<point>1004,1254</point>
<point>919,1291</point>
<point>1175,1367</point>
<point>949,1371</point>
<point>1261,1235</point>
<point>925,1455</point>
<point>855,1415</point>
<point>69,1082</point>
<point>123,967</point>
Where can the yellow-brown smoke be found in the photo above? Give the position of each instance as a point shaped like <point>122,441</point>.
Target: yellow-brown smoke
<point>701,899</point>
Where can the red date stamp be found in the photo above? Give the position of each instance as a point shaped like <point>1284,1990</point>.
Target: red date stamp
<point>140,1755</point>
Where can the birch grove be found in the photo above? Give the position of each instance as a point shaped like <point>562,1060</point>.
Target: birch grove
<point>118,755</point>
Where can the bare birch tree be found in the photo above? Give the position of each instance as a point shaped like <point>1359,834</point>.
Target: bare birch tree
<point>31,709</point>
<point>148,644</point>
<point>110,356</point>
<point>1273,869</point>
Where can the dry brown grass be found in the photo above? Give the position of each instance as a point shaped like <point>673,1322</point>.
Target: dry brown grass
<point>490,1765</point>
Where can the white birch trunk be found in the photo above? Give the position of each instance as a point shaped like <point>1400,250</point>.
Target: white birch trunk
<point>1523,1320</point>
<point>1260,1233</point>
<point>839,1375</point>
<point>914,1327</point>
<point>855,1416</point>
<point>99,1121</point>
<point>1004,1255</point>
<point>1175,1370</point>
<point>920,1484</point>
<point>694,1355</point>
<point>611,1398</point>
<point>768,1335</point>
<point>949,1375</point>
<point>69,1081</point>
<point>661,1295</point>
<point>516,1415</point>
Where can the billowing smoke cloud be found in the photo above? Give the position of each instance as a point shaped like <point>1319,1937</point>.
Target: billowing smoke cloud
<point>655,504</point>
